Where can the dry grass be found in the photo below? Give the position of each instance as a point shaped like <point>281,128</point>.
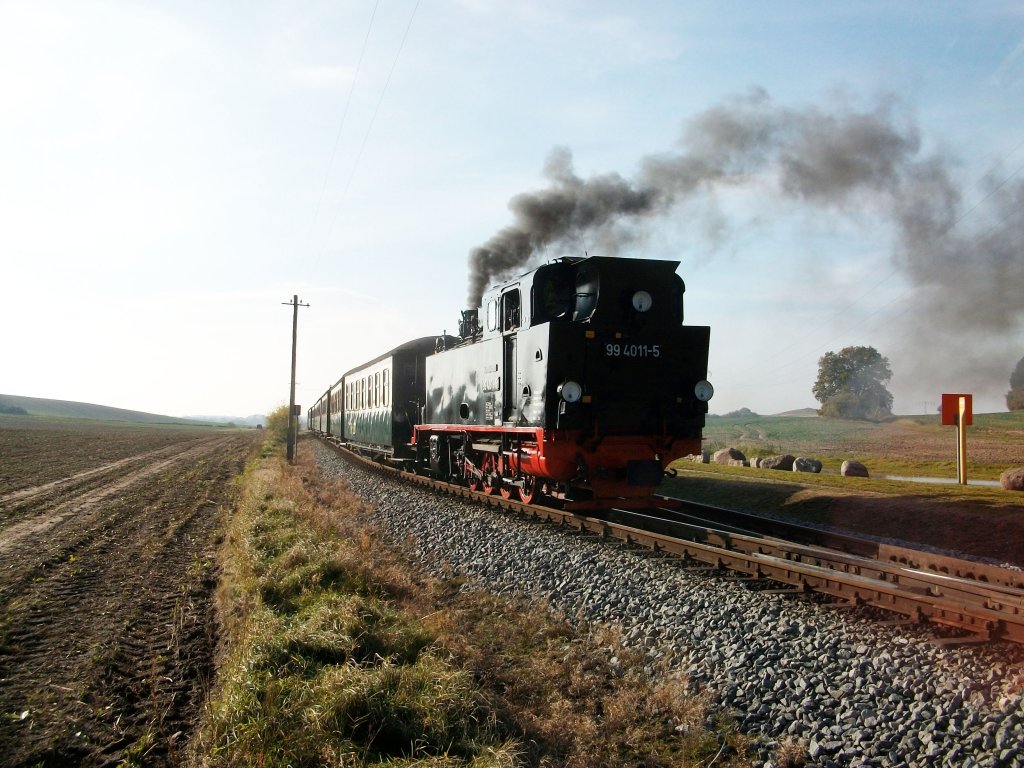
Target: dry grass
<point>339,651</point>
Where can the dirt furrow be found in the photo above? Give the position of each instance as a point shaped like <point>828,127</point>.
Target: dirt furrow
<point>35,452</point>
<point>107,633</point>
<point>11,535</point>
<point>75,482</point>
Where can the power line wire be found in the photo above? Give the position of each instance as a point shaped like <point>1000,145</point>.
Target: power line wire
<point>341,126</point>
<point>369,129</point>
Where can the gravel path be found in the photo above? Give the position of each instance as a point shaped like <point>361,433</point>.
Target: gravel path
<point>853,691</point>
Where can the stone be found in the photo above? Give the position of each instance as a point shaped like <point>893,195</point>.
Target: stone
<point>784,462</point>
<point>1012,479</point>
<point>802,464</point>
<point>727,455</point>
<point>852,468</point>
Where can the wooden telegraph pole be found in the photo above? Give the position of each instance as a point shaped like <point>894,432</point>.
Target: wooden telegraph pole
<point>293,416</point>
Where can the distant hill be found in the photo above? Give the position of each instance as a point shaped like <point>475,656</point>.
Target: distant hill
<point>803,412</point>
<point>38,406</point>
<point>746,413</point>
<point>239,421</point>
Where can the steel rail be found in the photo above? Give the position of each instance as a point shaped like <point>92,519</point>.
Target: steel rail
<point>849,542</point>
<point>982,596</point>
<point>852,579</point>
<point>890,570</point>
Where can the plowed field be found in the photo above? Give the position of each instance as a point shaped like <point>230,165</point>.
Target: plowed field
<point>106,581</point>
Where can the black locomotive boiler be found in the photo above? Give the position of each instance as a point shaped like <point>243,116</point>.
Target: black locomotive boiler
<point>577,381</point>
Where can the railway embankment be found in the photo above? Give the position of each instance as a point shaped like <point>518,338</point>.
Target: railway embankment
<point>339,648</point>
<point>806,681</point>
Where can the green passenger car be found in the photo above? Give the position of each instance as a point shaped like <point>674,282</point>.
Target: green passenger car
<point>382,400</point>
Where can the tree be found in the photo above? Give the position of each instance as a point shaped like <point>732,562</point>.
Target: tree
<point>1015,397</point>
<point>851,384</point>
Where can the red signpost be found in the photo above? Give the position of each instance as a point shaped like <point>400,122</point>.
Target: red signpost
<point>956,411</point>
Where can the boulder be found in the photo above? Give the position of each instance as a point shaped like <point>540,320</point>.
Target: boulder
<point>727,455</point>
<point>755,462</point>
<point>1013,479</point>
<point>785,462</point>
<point>852,468</point>
<point>801,464</point>
<point>738,463</point>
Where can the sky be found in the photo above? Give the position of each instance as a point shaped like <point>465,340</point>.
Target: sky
<point>828,175</point>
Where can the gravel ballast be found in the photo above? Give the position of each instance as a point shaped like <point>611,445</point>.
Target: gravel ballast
<point>853,691</point>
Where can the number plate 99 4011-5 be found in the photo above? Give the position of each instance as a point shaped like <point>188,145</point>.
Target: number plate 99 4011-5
<point>632,350</point>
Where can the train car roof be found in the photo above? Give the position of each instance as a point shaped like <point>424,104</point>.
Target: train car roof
<point>424,343</point>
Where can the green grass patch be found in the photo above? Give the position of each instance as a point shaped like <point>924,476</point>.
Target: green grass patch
<point>765,490</point>
<point>902,445</point>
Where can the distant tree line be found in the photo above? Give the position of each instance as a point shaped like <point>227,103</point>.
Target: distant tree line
<point>13,410</point>
<point>741,413</point>
<point>851,385</point>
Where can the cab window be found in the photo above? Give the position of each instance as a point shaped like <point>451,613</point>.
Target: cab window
<point>553,296</point>
<point>510,310</point>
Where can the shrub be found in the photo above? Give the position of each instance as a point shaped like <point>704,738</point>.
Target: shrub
<point>277,424</point>
<point>1015,400</point>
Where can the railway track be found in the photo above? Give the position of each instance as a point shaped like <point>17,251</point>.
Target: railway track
<point>846,542</point>
<point>980,602</point>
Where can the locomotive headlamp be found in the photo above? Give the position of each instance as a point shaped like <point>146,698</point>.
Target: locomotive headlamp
<point>642,301</point>
<point>703,390</point>
<point>570,391</point>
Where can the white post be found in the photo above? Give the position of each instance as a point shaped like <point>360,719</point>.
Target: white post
<point>961,452</point>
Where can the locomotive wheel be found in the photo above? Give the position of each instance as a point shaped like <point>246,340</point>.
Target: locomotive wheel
<point>490,469</point>
<point>475,483</point>
<point>529,489</point>
<point>507,491</point>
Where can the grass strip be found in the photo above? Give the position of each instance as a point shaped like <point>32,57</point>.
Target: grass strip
<point>338,650</point>
<point>776,488</point>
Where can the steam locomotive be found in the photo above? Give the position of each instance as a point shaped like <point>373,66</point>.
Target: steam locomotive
<point>576,382</point>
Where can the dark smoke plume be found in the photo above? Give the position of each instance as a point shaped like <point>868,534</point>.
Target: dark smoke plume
<point>565,211</point>
<point>866,161</point>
